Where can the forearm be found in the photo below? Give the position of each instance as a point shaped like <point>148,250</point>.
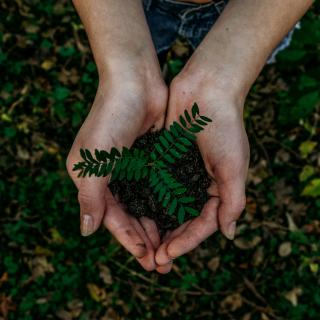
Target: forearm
<point>117,32</point>
<point>237,46</point>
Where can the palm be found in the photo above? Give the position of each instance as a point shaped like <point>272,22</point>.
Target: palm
<point>116,120</point>
<point>225,152</point>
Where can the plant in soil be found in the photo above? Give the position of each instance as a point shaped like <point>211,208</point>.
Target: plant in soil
<point>144,176</point>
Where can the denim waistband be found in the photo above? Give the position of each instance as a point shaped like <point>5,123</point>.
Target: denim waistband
<point>183,8</point>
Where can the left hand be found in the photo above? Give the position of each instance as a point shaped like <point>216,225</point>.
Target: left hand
<point>225,151</point>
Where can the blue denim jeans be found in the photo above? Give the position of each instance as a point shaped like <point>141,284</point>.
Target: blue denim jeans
<point>170,19</point>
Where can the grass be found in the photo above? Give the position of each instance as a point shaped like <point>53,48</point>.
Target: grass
<point>48,271</point>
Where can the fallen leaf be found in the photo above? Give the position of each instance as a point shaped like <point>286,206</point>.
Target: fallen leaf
<point>292,296</point>
<point>264,316</point>
<point>96,293</point>
<point>246,244</point>
<point>285,249</point>
<point>306,173</point>
<point>231,303</point>
<point>64,314</point>
<point>56,236</point>
<point>180,48</point>
<point>247,316</point>
<point>314,267</point>
<point>42,300</point>
<point>105,274</point>
<point>40,266</point>
<point>258,256</point>
<point>47,64</point>
<point>41,251</point>
<point>214,263</point>
<point>306,148</point>
<point>312,189</point>
<point>75,307</point>
<point>292,226</point>
<point>4,278</point>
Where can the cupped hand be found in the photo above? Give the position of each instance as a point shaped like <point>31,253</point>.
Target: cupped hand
<point>126,106</point>
<point>225,151</point>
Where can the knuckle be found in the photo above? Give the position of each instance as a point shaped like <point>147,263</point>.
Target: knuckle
<point>159,102</point>
<point>139,251</point>
<point>178,85</point>
<point>240,204</point>
<point>149,267</point>
<point>87,201</point>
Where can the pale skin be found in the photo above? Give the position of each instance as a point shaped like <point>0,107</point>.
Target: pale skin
<point>132,99</point>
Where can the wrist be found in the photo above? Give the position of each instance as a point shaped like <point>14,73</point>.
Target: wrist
<point>211,90</point>
<point>126,67</point>
<point>223,78</point>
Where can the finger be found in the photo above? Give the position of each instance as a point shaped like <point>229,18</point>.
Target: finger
<point>197,231</point>
<point>232,203</point>
<point>120,226</point>
<point>151,230</point>
<point>147,261</point>
<point>165,268</point>
<point>158,125</point>
<point>162,257</point>
<point>213,189</point>
<point>91,197</point>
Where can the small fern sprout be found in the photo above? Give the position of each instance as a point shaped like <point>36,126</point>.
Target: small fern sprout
<point>134,164</point>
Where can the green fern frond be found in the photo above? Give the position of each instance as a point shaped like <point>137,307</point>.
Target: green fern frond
<point>181,214</point>
<point>170,192</point>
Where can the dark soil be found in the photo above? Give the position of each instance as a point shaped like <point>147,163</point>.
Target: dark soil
<point>141,201</point>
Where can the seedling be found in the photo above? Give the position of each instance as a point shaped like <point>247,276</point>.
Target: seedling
<point>135,164</point>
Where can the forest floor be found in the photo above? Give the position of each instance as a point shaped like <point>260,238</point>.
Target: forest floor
<point>48,271</point>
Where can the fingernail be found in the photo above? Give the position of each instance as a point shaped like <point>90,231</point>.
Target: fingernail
<point>171,258</point>
<point>86,225</point>
<point>231,231</point>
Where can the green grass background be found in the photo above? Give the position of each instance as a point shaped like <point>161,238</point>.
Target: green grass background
<point>48,271</point>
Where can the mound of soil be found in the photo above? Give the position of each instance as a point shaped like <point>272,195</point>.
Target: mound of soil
<point>139,198</point>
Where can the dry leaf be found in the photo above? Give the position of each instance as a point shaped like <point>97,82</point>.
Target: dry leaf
<point>56,237</point>
<point>4,278</point>
<point>64,314</point>
<point>247,316</point>
<point>42,300</point>
<point>264,316</point>
<point>180,48</point>
<point>306,148</point>
<point>214,263</point>
<point>41,251</point>
<point>75,307</point>
<point>292,296</point>
<point>231,303</point>
<point>105,274</point>
<point>22,154</point>
<point>292,226</point>
<point>111,315</point>
<point>96,293</point>
<point>47,64</point>
<point>258,256</point>
<point>314,267</point>
<point>39,266</point>
<point>246,244</point>
<point>285,249</point>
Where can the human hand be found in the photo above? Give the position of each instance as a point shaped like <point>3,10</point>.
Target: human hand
<point>225,151</point>
<point>125,107</point>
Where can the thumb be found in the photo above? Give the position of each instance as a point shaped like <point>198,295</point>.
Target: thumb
<point>232,203</point>
<point>91,197</point>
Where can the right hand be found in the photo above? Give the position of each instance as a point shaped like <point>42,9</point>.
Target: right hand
<point>126,107</point>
